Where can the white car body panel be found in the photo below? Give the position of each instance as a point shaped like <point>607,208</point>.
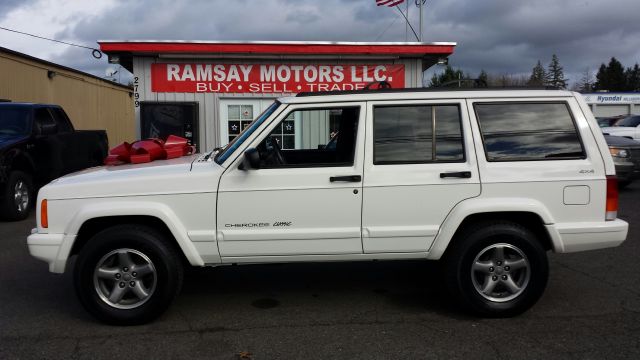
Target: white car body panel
<point>395,212</point>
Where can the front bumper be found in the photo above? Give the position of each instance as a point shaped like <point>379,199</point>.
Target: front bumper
<point>573,237</point>
<point>50,248</point>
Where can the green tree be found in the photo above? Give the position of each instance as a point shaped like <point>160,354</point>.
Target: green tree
<point>449,74</point>
<point>555,74</point>
<point>633,78</point>
<point>538,75</point>
<point>483,78</point>
<point>611,77</point>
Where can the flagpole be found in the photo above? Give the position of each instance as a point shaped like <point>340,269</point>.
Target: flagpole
<point>406,26</point>
<point>421,2</point>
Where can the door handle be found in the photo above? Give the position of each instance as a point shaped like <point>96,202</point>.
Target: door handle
<point>348,178</point>
<point>457,174</point>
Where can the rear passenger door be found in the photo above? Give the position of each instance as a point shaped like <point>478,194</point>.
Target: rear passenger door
<point>419,163</point>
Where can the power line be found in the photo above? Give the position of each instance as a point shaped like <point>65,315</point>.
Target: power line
<point>95,52</point>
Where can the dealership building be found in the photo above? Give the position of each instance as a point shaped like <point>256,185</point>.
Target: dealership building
<point>613,104</point>
<point>209,91</point>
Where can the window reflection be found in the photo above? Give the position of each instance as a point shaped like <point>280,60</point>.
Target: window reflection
<point>528,131</point>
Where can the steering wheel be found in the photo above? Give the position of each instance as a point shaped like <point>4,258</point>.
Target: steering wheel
<point>270,152</point>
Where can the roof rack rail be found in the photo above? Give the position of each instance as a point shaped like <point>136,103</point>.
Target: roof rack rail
<point>431,89</point>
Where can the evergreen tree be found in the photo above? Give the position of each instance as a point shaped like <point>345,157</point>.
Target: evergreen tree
<point>633,78</point>
<point>483,78</point>
<point>555,74</point>
<point>538,75</point>
<point>611,77</point>
<point>602,81</point>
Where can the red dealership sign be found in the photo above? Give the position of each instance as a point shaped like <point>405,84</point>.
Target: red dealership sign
<point>270,78</point>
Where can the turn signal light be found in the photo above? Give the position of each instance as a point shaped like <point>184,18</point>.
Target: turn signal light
<point>44,217</point>
<point>612,198</point>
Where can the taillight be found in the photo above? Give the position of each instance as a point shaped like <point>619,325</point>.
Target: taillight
<point>612,198</point>
<point>44,216</point>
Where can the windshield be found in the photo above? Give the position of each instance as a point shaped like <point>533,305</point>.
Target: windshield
<point>238,140</point>
<point>631,121</point>
<point>14,121</point>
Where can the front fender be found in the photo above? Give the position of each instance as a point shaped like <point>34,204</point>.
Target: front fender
<point>138,208</point>
<point>479,206</point>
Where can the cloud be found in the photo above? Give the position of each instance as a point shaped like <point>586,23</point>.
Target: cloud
<point>500,36</point>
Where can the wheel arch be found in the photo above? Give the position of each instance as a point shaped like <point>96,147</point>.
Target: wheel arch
<point>92,219</point>
<point>527,212</point>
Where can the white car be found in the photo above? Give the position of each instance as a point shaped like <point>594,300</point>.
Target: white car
<point>486,181</point>
<point>628,127</point>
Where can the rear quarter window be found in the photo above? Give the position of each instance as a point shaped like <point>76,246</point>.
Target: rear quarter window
<point>517,131</point>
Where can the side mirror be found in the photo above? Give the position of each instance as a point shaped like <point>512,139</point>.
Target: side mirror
<point>251,159</point>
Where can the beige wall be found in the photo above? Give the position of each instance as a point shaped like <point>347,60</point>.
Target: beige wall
<point>91,104</point>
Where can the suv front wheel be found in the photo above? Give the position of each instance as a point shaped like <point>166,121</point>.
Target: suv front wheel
<point>128,274</point>
<point>497,269</point>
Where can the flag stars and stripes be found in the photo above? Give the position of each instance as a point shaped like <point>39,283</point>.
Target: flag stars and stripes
<point>389,3</point>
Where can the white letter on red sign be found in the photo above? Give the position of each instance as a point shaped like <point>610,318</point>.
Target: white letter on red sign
<point>246,70</point>
<point>325,72</point>
<point>203,72</point>
<point>267,73</point>
<point>284,73</point>
<point>338,73</point>
<point>378,73</point>
<point>187,73</point>
<point>354,74</point>
<point>173,72</point>
<point>218,70</point>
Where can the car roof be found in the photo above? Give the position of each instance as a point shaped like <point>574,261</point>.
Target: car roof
<point>25,104</point>
<point>420,94</point>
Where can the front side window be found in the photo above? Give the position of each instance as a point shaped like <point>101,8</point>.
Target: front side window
<point>528,131</point>
<point>410,134</point>
<point>319,137</point>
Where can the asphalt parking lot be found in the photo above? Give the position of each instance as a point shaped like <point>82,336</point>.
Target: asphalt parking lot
<point>373,310</point>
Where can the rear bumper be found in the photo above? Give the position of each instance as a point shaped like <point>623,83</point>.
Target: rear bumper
<point>47,247</point>
<point>573,237</point>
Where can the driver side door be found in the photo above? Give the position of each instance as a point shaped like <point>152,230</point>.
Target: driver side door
<point>307,203</point>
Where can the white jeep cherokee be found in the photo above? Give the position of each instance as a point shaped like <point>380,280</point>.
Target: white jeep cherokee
<point>487,181</point>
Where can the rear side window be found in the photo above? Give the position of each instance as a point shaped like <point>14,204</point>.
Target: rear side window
<point>411,134</point>
<point>528,131</point>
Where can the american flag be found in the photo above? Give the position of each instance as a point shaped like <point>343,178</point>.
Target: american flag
<point>389,3</point>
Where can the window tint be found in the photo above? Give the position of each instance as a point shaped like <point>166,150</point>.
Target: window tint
<point>312,138</point>
<point>64,125</point>
<point>404,134</point>
<point>528,131</point>
<point>44,122</point>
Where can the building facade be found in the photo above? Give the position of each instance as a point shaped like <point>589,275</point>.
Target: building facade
<point>209,91</point>
<point>91,102</point>
<point>613,104</point>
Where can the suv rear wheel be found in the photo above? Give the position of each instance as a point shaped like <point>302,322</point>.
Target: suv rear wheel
<point>497,269</point>
<point>128,275</point>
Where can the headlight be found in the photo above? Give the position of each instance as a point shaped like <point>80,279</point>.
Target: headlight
<point>621,153</point>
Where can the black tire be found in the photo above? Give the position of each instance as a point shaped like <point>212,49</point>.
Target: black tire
<point>153,244</point>
<point>484,239</point>
<point>10,210</point>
